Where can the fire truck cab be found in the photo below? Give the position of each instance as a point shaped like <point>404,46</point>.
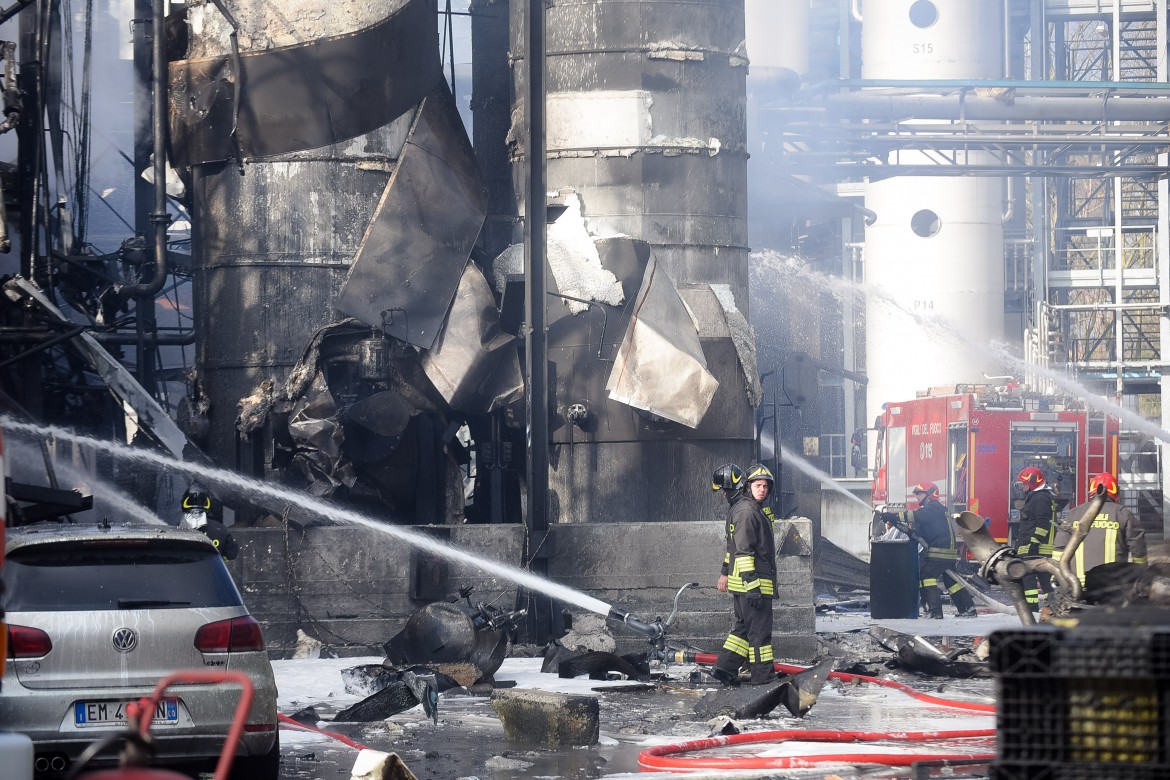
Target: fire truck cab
<point>973,444</point>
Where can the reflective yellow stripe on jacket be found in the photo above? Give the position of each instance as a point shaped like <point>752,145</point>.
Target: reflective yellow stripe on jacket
<point>743,579</point>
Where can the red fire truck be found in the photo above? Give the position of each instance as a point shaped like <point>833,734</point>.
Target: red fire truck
<point>973,444</point>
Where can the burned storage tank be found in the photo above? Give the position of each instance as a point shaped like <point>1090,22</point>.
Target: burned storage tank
<point>652,366</point>
<point>304,161</point>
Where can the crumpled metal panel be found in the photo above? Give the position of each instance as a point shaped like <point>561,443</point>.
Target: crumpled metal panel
<point>660,366</point>
<point>409,263</point>
<point>474,365</point>
<point>314,426</point>
<point>305,96</point>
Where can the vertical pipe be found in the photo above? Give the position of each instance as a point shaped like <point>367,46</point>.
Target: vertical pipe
<point>1163,260</point>
<point>536,345</point>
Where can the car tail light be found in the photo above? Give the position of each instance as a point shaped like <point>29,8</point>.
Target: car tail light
<point>229,636</point>
<point>25,642</point>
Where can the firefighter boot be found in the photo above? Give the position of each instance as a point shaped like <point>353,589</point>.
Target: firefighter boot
<point>727,666</point>
<point>933,600</point>
<point>762,673</point>
<point>726,677</point>
<point>964,603</point>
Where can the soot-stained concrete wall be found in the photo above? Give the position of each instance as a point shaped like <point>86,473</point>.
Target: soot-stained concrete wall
<point>352,587</point>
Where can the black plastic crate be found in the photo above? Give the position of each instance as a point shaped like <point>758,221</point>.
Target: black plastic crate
<point>1089,696</point>
<point>1005,770</point>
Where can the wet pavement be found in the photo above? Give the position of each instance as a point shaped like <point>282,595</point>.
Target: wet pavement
<point>468,740</point>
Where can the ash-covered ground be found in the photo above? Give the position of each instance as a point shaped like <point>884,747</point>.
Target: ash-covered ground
<point>468,740</point>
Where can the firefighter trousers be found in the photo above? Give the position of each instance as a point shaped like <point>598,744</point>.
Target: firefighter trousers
<point>1036,582</point>
<point>935,576</point>
<point>750,641</point>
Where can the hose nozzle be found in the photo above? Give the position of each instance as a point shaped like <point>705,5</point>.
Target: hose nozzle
<point>654,631</point>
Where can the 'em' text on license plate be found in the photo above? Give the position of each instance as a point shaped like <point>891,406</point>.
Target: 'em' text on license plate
<point>105,713</point>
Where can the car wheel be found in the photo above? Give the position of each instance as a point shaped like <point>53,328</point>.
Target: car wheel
<point>265,767</point>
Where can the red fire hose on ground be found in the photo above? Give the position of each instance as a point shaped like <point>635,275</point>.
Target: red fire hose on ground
<point>667,757</point>
<point>296,724</point>
<point>925,698</point>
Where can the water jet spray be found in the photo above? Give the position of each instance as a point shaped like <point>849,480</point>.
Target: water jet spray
<point>654,630</point>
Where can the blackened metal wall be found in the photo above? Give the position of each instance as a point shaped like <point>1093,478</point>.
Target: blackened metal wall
<point>646,122</point>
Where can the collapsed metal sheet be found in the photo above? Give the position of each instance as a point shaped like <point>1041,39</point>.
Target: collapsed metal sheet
<point>473,364</point>
<point>409,263</point>
<point>314,426</point>
<point>743,336</point>
<point>150,415</point>
<point>304,96</point>
<point>660,366</point>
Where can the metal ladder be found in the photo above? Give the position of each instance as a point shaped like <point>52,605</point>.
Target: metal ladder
<point>1096,444</point>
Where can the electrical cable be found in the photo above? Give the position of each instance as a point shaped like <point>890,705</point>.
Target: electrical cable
<point>290,723</point>
<point>664,757</point>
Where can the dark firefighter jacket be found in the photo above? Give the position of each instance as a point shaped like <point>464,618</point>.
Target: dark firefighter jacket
<point>222,539</point>
<point>1037,523</point>
<point>1114,536</point>
<point>930,522</point>
<point>750,560</point>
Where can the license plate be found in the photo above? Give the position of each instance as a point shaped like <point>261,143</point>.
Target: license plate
<point>113,713</point>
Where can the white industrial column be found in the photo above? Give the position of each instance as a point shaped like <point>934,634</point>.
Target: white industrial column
<point>935,250</point>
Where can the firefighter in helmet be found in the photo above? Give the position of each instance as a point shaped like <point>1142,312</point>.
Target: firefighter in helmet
<point>1115,536</point>
<point>1034,536</point>
<point>196,508</point>
<point>930,524</point>
<point>749,574</point>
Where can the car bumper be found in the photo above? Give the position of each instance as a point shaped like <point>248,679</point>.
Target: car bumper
<point>206,713</point>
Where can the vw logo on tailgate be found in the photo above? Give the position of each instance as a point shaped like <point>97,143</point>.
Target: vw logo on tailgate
<point>125,640</point>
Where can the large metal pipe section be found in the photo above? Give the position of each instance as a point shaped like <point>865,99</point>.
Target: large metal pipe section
<point>1021,108</point>
<point>936,247</point>
<point>646,123</point>
<point>273,239</point>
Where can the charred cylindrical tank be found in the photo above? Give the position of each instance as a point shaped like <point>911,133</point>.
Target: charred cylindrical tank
<point>646,132</point>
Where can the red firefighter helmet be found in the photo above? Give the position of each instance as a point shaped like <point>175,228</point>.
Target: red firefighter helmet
<point>1105,480</point>
<point>1031,478</point>
<point>929,488</point>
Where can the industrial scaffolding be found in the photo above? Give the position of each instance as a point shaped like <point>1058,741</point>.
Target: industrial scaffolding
<point>1078,128</point>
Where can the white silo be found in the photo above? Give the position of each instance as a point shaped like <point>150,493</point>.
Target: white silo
<point>937,243</point>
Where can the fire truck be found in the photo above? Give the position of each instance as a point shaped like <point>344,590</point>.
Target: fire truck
<point>974,444</point>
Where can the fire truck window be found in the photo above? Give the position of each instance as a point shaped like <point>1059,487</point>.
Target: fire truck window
<point>925,223</point>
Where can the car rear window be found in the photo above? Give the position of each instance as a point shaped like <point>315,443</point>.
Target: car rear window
<point>110,575</point>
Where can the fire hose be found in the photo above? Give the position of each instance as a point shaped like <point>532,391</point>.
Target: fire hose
<point>687,656</point>
<point>665,757</point>
<point>296,724</point>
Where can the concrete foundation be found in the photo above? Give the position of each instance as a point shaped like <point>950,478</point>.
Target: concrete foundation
<point>546,717</point>
<point>353,588</point>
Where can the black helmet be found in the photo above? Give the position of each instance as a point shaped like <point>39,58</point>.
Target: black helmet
<point>196,498</point>
<point>728,477</point>
<point>760,471</point>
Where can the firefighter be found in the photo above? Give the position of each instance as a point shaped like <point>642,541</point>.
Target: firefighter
<point>929,523</point>
<point>1036,530</point>
<point>197,516</point>
<point>1115,535</point>
<point>749,574</point>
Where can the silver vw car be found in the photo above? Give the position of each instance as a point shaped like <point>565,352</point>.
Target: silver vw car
<point>98,614</point>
